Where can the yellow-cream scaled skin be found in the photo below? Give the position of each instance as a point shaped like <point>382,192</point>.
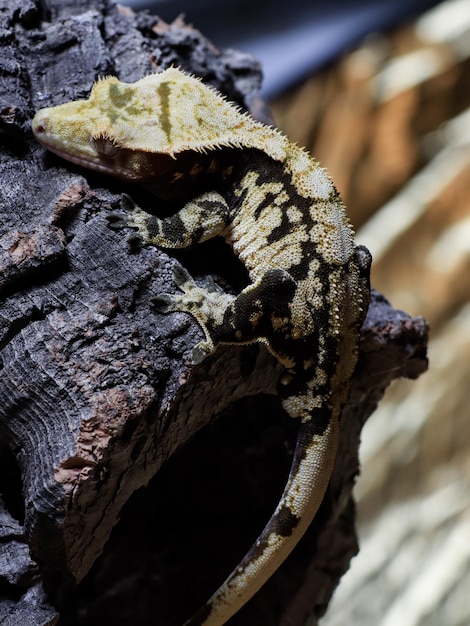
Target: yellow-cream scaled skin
<point>281,214</point>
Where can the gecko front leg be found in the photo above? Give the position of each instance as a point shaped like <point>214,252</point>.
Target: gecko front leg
<point>199,220</point>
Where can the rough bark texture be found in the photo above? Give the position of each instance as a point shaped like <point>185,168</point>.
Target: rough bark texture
<point>97,389</point>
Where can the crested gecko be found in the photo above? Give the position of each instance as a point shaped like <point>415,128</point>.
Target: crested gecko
<point>231,176</point>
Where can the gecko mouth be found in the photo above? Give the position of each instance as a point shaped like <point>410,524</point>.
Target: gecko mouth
<point>98,164</point>
<point>68,150</point>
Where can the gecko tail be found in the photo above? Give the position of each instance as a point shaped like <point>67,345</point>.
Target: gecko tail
<point>309,476</point>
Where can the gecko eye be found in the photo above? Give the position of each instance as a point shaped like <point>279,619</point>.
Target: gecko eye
<point>106,146</point>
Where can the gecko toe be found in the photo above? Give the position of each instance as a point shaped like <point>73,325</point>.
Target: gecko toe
<point>200,351</point>
<point>135,240</point>
<point>181,276</point>
<point>116,221</point>
<point>211,286</point>
<point>127,203</point>
<point>164,302</point>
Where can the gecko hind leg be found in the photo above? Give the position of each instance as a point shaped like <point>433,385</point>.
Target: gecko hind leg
<point>259,312</point>
<point>207,304</point>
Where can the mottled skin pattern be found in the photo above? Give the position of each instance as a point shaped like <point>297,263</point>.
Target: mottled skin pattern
<point>230,176</point>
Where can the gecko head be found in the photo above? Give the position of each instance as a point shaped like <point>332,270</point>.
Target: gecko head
<point>122,126</point>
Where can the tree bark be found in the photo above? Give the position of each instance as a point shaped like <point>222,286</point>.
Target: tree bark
<point>97,389</point>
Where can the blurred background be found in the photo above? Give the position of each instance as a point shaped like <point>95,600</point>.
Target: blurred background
<point>379,92</point>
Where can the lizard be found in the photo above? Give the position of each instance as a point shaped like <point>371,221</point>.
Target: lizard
<point>226,174</point>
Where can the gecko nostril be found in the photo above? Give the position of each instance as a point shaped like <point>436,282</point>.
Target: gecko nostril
<point>40,124</point>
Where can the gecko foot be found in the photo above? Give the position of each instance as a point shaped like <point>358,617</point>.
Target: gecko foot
<point>118,221</point>
<point>208,305</point>
<point>166,303</point>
